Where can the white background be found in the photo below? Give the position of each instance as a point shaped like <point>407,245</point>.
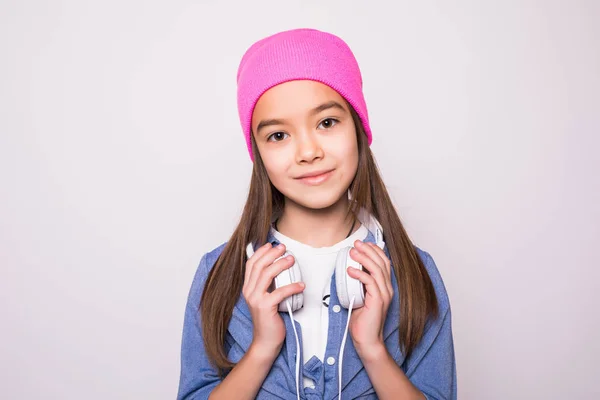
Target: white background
<point>122,161</point>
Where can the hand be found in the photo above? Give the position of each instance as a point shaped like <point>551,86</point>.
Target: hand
<point>366,323</point>
<point>261,269</point>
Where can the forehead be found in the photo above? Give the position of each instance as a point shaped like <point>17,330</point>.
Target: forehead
<point>293,99</point>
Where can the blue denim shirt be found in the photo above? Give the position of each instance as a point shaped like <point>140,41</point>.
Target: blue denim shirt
<point>431,367</point>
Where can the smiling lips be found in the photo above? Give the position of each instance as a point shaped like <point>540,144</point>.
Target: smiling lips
<point>315,178</point>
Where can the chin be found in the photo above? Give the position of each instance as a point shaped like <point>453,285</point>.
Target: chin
<point>316,201</point>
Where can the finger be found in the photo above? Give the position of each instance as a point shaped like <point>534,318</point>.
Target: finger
<point>377,271</point>
<point>252,260</point>
<point>383,256</point>
<point>370,251</point>
<point>262,262</point>
<point>280,294</point>
<point>270,272</point>
<point>387,269</point>
<point>370,283</point>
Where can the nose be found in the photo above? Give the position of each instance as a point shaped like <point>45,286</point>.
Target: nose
<point>308,148</point>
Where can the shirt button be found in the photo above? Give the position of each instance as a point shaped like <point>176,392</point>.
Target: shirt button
<point>336,308</point>
<point>330,360</point>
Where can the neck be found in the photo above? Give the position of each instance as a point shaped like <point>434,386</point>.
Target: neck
<point>316,228</point>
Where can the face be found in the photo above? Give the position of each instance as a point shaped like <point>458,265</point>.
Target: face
<point>307,140</point>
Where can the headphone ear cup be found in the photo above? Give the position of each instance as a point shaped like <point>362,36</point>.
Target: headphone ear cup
<point>286,277</point>
<point>340,280</point>
<point>346,286</point>
<point>296,276</point>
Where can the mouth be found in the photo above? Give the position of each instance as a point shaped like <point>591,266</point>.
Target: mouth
<point>315,179</point>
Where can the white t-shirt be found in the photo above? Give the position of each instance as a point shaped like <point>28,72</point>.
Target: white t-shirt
<point>317,266</point>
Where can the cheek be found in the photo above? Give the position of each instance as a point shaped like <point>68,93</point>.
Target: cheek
<point>276,166</point>
<point>350,152</point>
<point>347,149</point>
<point>348,157</point>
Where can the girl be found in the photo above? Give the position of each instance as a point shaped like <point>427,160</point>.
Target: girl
<point>316,206</point>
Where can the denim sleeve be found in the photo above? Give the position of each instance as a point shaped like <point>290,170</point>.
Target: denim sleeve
<point>432,365</point>
<point>198,377</point>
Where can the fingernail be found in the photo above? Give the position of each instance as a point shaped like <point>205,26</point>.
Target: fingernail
<point>280,246</point>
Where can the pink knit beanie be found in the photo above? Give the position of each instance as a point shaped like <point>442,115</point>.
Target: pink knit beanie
<point>294,55</point>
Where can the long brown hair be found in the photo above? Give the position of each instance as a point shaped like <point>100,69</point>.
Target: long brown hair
<point>224,283</point>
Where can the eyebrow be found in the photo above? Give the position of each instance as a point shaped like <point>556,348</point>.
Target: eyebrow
<point>314,111</point>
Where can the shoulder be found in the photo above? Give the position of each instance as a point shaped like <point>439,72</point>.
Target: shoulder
<point>211,257</point>
<point>436,279</point>
<point>207,261</point>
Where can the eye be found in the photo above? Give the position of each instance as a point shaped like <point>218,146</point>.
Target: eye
<point>328,122</point>
<point>276,137</point>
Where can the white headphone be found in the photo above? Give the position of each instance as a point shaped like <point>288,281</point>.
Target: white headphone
<point>346,286</point>
<point>350,291</point>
